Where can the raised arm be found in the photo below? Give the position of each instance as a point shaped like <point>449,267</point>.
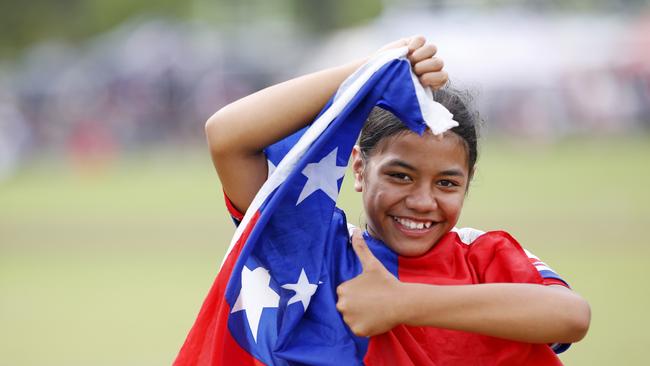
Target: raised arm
<point>375,302</point>
<point>239,132</point>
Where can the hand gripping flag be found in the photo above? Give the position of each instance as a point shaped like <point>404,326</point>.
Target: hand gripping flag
<point>274,299</point>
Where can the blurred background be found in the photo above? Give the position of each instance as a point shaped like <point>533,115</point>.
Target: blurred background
<point>112,221</point>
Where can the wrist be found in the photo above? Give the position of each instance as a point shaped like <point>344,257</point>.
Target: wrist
<point>414,301</point>
<point>401,303</point>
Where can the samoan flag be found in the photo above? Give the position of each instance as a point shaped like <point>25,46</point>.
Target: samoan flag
<point>274,299</point>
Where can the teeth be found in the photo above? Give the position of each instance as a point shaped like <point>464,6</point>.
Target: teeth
<point>413,224</point>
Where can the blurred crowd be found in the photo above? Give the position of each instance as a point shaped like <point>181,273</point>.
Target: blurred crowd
<point>154,82</point>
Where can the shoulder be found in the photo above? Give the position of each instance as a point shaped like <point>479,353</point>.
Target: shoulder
<point>472,237</point>
<point>490,243</point>
<point>339,218</point>
<point>467,235</point>
<point>502,247</point>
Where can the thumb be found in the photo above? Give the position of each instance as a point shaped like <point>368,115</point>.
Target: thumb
<point>360,247</point>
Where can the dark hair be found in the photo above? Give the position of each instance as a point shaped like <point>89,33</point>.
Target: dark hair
<point>382,124</point>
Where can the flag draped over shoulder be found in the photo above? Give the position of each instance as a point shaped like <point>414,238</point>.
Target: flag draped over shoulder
<point>272,302</point>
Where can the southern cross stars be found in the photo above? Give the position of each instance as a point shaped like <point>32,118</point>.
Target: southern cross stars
<point>303,289</point>
<point>323,175</point>
<point>255,295</point>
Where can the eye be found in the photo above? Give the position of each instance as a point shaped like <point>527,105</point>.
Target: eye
<point>400,177</point>
<point>447,183</point>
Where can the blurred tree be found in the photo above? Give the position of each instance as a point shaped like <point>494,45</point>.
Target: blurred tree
<point>23,23</point>
<point>315,16</point>
<point>321,16</point>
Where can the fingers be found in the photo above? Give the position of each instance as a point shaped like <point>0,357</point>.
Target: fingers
<point>434,64</point>
<point>415,43</point>
<point>367,259</point>
<point>427,67</point>
<point>423,52</point>
<point>434,80</point>
<point>430,72</point>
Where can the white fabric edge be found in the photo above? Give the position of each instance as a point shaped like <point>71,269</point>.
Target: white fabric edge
<point>436,116</point>
<point>351,228</point>
<point>467,234</point>
<point>531,255</point>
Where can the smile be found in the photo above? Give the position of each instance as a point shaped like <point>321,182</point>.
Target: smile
<point>412,224</point>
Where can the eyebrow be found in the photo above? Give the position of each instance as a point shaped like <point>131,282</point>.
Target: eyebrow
<point>400,163</point>
<point>453,173</point>
<point>405,165</point>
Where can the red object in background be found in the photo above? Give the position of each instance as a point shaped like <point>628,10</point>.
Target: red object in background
<point>91,147</point>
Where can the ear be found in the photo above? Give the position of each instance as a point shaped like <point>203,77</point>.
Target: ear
<point>357,168</point>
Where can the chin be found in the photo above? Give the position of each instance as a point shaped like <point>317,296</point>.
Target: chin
<point>407,248</point>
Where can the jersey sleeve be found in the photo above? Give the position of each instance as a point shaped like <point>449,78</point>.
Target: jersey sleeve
<point>232,210</point>
<point>235,214</point>
<point>497,257</point>
<point>549,276</point>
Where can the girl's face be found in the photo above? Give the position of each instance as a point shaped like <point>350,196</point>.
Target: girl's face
<point>413,189</point>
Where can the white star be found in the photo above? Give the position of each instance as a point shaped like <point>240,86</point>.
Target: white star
<point>304,290</point>
<point>323,175</point>
<point>255,295</point>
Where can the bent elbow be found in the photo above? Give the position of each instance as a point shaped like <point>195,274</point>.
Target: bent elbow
<point>578,324</point>
<point>216,134</point>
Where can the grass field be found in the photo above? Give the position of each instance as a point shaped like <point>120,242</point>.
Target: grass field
<point>110,268</point>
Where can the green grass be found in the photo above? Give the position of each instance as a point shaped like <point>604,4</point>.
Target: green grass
<point>111,268</point>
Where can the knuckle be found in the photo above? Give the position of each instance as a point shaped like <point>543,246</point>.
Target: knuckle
<point>340,306</point>
<point>359,331</point>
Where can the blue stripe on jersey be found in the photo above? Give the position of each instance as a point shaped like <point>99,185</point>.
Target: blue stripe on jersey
<point>545,273</point>
<point>560,347</point>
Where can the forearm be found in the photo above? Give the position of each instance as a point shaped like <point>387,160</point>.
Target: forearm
<point>521,312</point>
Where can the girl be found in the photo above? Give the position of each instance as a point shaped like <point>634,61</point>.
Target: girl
<point>463,296</point>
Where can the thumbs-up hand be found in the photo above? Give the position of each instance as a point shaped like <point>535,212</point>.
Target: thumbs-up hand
<point>370,302</point>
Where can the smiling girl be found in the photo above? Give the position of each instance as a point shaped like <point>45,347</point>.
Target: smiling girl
<point>460,296</point>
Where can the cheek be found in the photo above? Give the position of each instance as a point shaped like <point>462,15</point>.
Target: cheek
<point>452,205</point>
<point>382,195</point>
<point>376,199</point>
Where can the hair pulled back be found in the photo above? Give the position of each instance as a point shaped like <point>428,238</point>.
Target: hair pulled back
<point>382,124</point>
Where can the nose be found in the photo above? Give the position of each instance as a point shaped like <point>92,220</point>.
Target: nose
<point>422,199</point>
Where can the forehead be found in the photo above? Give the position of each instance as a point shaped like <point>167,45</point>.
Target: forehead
<point>448,150</point>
